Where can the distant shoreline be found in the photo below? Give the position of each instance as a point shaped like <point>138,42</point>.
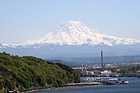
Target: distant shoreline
<point>59,88</point>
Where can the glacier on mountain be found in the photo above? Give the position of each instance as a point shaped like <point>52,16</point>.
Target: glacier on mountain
<point>77,33</point>
<point>74,39</point>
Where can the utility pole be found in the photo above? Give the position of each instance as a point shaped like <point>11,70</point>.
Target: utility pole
<point>82,67</point>
<point>86,69</point>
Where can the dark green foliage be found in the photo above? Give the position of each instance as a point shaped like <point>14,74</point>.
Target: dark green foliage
<point>129,69</point>
<point>22,89</point>
<point>28,72</point>
<point>73,75</point>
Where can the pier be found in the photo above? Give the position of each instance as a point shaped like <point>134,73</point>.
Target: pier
<point>84,83</point>
<point>99,81</point>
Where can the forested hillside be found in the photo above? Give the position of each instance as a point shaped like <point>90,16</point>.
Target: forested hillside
<point>28,72</point>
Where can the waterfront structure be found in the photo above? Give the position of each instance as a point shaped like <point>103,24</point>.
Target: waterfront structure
<point>106,73</point>
<point>104,80</point>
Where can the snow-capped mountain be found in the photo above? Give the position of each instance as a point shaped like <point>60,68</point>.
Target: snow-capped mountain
<point>74,39</point>
<point>77,33</point>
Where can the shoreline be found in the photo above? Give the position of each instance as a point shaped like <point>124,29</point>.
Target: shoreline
<point>59,88</point>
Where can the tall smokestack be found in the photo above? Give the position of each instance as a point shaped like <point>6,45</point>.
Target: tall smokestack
<point>102,60</point>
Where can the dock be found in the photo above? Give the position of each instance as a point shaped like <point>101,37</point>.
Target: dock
<point>99,81</point>
<point>84,83</point>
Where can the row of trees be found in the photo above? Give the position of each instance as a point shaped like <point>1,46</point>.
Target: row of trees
<point>129,69</point>
<point>28,72</point>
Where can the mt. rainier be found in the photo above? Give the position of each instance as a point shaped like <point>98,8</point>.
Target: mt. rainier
<point>73,38</point>
<point>77,33</point>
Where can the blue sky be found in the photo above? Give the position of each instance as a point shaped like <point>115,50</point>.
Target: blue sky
<point>22,20</point>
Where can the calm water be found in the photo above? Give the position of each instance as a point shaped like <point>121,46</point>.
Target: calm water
<point>132,87</point>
